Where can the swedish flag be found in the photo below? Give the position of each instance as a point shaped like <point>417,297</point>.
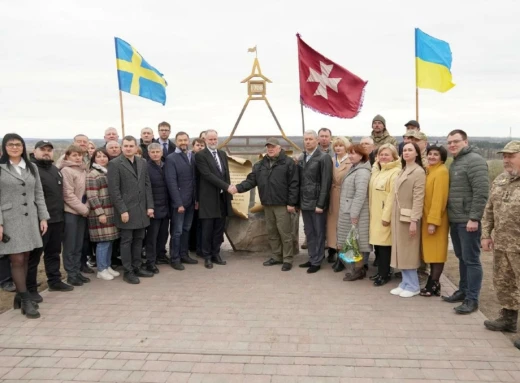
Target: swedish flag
<point>136,76</point>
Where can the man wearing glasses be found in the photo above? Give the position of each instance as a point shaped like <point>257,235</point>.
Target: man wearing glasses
<point>468,194</point>
<point>167,146</point>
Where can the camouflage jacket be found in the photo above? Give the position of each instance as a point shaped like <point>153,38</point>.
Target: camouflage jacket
<point>386,138</point>
<point>501,215</point>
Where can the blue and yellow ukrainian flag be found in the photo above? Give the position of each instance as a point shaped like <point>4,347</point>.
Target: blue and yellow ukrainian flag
<point>432,62</point>
<point>136,76</point>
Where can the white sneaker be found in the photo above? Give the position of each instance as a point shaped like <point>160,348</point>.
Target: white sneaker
<point>105,275</point>
<point>409,294</point>
<point>113,273</point>
<point>396,291</point>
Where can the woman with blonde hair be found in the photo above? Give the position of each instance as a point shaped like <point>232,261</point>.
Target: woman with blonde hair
<point>91,149</point>
<point>381,195</point>
<point>340,167</point>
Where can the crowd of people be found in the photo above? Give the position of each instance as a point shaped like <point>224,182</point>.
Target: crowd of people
<point>124,199</point>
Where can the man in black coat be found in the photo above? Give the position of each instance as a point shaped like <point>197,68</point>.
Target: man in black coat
<point>131,194</point>
<point>157,232</point>
<point>146,139</point>
<point>276,176</point>
<point>213,197</point>
<point>181,183</point>
<point>52,185</point>
<point>315,169</point>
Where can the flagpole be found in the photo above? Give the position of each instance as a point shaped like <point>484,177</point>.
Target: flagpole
<point>122,114</point>
<point>416,81</point>
<point>303,117</point>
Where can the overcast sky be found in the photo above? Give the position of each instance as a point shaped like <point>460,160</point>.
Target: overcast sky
<point>58,73</point>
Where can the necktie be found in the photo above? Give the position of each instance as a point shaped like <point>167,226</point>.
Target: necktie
<point>165,150</point>
<point>216,160</point>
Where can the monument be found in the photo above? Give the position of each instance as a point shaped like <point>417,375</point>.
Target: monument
<point>246,231</point>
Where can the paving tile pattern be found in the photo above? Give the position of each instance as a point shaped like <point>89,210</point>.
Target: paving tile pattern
<point>247,323</point>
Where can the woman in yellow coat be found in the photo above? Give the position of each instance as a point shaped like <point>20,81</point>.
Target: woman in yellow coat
<point>381,194</point>
<point>435,224</point>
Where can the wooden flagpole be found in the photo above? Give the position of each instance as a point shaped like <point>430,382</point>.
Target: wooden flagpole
<point>303,117</point>
<point>122,114</point>
<point>416,82</point>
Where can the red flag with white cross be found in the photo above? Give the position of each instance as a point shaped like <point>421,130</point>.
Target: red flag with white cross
<point>327,87</point>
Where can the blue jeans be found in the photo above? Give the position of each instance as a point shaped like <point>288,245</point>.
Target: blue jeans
<point>180,233</point>
<point>410,280</point>
<point>103,255</point>
<point>467,249</point>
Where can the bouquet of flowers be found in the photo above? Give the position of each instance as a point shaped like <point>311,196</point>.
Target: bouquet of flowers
<point>350,252</point>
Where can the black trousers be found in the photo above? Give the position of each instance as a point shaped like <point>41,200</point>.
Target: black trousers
<point>384,255</point>
<point>195,234</point>
<point>51,250</point>
<point>5,270</point>
<point>213,232</point>
<point>156,238</point>
<point>131,246</point>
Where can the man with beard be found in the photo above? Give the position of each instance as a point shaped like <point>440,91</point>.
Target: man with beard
<point>213,197</point>
<point>180,181</point>
<point>380,134</point>
<point>168,147</point>
<point>52,240</point>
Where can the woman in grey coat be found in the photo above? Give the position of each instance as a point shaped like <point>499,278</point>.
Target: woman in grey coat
<point>23,215</point>
<point>353,207</point>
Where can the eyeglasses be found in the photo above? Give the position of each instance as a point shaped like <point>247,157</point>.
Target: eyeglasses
<point>454,142</point>
<point>14,145</point>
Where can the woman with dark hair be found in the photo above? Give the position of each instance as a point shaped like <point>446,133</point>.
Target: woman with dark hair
<point>76,212</point>
<point>23,216</point>
<point>405,222</point>
<point>353,208</point>
<point>435,224</point>
<point>102,228</point>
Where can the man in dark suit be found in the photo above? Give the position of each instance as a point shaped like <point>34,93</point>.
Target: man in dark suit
<point>180,180</point>
<point>213,197</point>
<point>315,179</point>
<point>131,194</point>
<point>167,145</point>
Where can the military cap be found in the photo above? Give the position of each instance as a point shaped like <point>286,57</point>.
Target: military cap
<point>511,147</point>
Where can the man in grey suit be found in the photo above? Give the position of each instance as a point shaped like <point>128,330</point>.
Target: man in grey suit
<point>131,194</point>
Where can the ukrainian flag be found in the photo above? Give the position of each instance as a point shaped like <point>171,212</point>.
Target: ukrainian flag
<point>432,62</point>
<point>136,76</point>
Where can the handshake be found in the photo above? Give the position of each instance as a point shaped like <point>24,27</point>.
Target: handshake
<point>232,189</point>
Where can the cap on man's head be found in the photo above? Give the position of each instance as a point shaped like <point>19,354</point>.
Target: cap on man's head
<point>380,119</point>
<point>42,143</point>
<point>413,123</point>
<point>272,141</point>
<point>511,147</point>
<point>410,133</point>
<point>420,136</point>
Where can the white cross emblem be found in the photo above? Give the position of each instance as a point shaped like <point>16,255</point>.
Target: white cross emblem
<point>324,80</point>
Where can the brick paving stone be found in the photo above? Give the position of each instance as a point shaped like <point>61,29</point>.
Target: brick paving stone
<point>223,325</point>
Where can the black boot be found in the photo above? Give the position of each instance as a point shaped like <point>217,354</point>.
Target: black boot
<point>27,306</point>
<point>17,303</point>
<point>338,266</point>
<point>217,259</point>
<point>507,321</point>
<point>332,255</point>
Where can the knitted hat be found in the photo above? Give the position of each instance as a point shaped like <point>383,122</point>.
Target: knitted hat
<point>379,118</point>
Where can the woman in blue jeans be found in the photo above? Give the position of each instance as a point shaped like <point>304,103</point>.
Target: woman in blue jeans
<point>102,229</point>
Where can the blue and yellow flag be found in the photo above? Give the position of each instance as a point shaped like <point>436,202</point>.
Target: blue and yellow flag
<point>136,76</point>
<point>432,62</point>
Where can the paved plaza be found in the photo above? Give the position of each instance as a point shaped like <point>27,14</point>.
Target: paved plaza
<point>248,323</point>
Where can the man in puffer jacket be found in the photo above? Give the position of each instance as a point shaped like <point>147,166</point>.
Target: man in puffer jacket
<point>276,176</point>
<point>315,168</point>
<point>468,194</point>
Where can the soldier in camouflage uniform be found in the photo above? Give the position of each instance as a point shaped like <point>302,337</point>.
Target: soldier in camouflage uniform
<point>422,142</point>
<point>501,233</point>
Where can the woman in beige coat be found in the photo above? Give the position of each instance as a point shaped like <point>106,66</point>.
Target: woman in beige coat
<point>406,221</point>
<point>340,167</point>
